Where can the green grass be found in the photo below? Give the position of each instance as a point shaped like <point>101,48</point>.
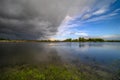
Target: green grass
<point>50,72</point>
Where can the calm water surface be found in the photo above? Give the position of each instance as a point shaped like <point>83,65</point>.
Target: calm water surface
<point>103,54</point>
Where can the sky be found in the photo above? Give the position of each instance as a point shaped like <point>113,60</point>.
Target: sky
<point>99,19</point>
<point>59,19</point>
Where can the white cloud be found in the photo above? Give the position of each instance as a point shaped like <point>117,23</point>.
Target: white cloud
<point>85,10</point>
<point>83,34</point>
<point>100,11</point>
<point>103,17</point>
<point>89,14</point>
<point>117,10</point>
<point>67,19</point>
<point>112,37</point>
<point>86,16</point>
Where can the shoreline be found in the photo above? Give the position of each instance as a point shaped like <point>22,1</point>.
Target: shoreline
<point>19,41</point>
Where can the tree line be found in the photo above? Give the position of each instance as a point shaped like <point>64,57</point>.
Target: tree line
<point>80,39</point>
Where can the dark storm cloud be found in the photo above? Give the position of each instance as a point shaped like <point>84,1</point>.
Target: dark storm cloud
<point>31,19</point>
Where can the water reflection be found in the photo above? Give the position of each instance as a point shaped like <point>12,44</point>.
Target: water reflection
<point>59,53</point>
<point>90,44</point>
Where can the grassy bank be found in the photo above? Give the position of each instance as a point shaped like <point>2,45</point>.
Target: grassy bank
<point>52,72</point>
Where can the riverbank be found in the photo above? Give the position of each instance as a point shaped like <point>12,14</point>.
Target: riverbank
<point>55,41</point>
<point>53,72</point>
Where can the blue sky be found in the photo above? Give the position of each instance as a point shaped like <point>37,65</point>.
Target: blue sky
<point>99,18</point>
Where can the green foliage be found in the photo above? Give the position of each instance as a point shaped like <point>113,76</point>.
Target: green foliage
<point>25,74</point>
<point>68,40</point>
<point>75,40</point>
<point>50,72</point>
<point>82,39</point>
<point>95,39</point>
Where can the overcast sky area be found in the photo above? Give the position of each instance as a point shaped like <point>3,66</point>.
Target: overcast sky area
<point>59,19</point>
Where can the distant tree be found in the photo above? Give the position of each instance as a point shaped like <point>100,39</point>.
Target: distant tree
<point>75,40</point>
<point>95,39</point>
<point>99,39</point>
<point>82,39</point>
<point>68,40</point>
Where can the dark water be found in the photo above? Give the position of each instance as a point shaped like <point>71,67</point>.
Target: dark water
<point>103,54</point>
